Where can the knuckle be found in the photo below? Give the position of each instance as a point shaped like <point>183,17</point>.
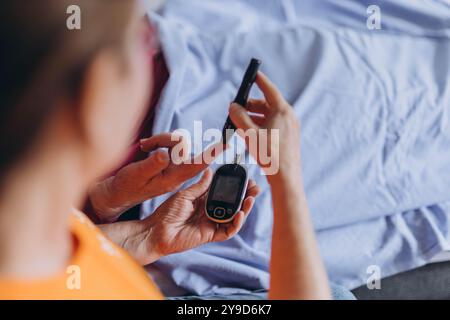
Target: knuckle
<point>178,137</point>
<point>168,187</point>
<point>284,112</point>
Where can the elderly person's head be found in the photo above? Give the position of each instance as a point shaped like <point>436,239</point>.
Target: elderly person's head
<point>69,94</point>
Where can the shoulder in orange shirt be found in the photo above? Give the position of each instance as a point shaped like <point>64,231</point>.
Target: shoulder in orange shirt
<point>98,270</point>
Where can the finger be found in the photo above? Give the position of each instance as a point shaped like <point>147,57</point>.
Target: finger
<point>252,190</point>
<point>247,205</point>
<point>198,164</point>
<point>198,189</point>
<point>227,231</point>
<point>207,157</point>
<point>153,165</point>
<point>240,117</point>
<point>271,93</point>
<point>163,140</point>
<point>257,106</point>
<point>251,183</point>
<point>258,120</point>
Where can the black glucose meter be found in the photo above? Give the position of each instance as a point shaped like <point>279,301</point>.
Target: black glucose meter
<point>226,193</point>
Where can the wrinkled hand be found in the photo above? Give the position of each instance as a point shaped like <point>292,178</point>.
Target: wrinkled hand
<point>180,223</point>
<point>154,176</point>
<point>273,114</point>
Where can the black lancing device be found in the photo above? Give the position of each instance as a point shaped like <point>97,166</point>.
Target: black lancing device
<point>242,94</point>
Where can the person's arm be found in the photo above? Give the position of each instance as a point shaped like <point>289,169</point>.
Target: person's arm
<point>133,236</point>
<point>296,269</point>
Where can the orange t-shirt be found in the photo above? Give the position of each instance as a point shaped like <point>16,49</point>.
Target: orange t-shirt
<point>98,270</point>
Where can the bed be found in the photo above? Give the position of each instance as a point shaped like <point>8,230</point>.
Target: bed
<point>374,107</point>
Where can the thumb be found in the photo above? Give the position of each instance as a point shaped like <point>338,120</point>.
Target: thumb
<point>240,117</point>
<point>198,189</point>
<point>154,164</point>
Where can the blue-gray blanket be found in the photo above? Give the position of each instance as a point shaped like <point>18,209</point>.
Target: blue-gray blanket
<point>375,112</point>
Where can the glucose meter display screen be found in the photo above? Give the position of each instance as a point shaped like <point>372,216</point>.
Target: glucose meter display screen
<point>226,189</point>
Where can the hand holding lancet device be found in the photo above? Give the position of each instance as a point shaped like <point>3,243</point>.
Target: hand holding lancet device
<point>229,184</point>
<point>242,95</point>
